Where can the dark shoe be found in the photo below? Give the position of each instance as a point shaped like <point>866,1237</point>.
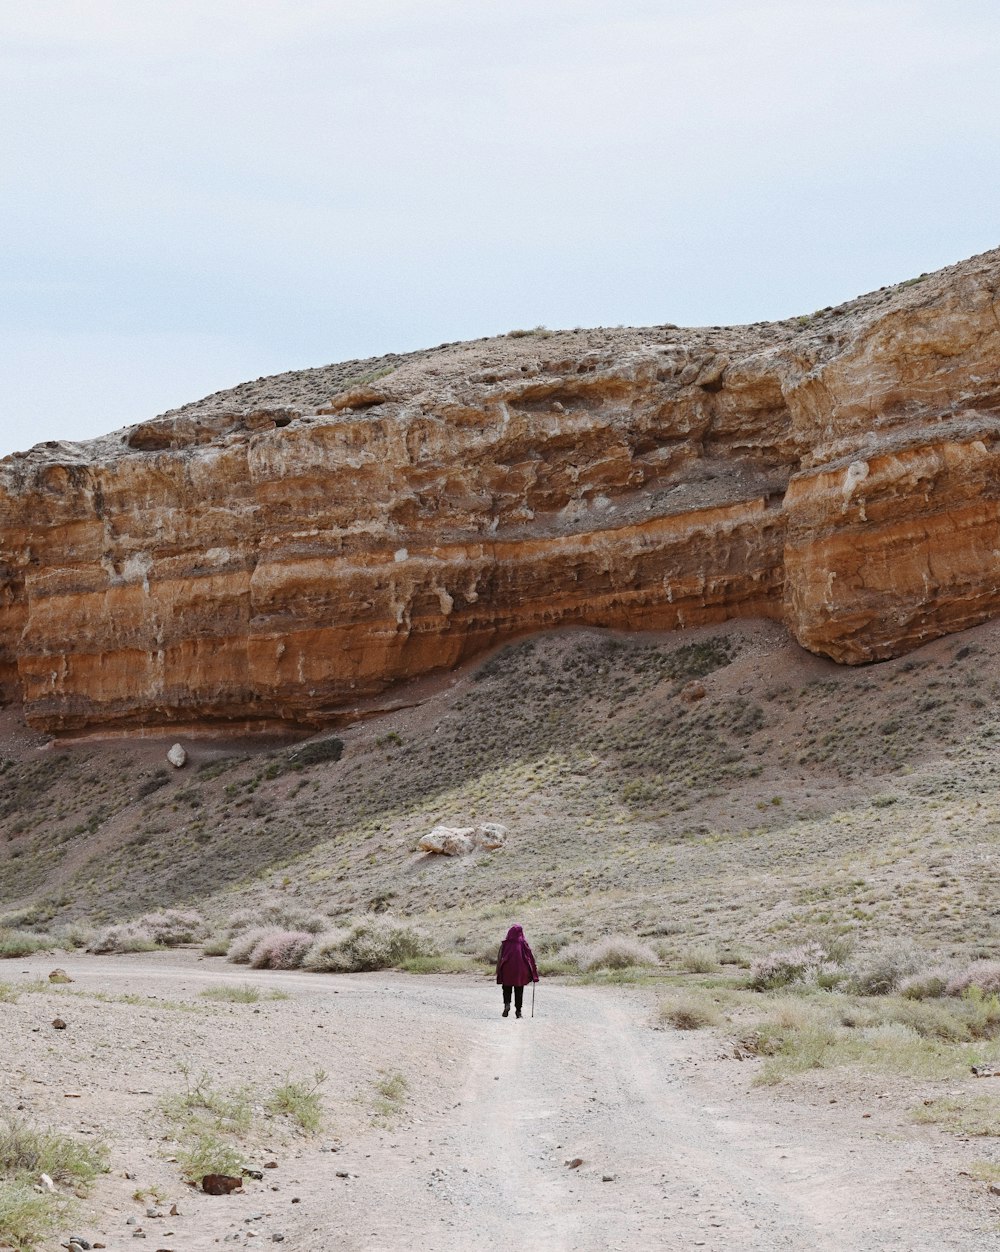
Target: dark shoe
<point>518,1013</point>
<point>506,1011</point>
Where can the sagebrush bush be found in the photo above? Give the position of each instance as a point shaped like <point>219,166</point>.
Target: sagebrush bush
<point>927,985</point>
<point>612,952</point>
<point>165,929</point>
<point>241,948</point>
<point>984,976</point>
<point>787,966</point>
<point>880,970</point>
<point>370,944</point>
<point>282,949</point>
<point>326,955</point>
<point>75,935</point>
<point>275,915</point>
<point>123,937</point>
<point>175,926</point>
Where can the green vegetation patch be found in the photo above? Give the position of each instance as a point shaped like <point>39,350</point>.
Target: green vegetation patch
<point>28,1211</point>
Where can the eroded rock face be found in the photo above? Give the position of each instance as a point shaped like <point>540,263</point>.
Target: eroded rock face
<point>276,553</point>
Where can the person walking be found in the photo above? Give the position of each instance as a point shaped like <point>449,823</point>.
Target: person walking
<point>515,969</point>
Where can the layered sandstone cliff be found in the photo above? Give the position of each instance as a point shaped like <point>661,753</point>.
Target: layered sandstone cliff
<point>275,553</point>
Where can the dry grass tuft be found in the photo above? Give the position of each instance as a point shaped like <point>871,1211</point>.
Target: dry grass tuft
<point>27,1214</point>
<point>17,943</point>
<point>688,1011</point>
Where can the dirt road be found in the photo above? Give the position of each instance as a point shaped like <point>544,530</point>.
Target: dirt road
<point>678,1151</point>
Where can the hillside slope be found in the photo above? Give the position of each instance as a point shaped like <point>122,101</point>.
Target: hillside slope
<point>718,784</point>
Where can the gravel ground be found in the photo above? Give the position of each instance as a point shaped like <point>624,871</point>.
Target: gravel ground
<point>677,1149</point>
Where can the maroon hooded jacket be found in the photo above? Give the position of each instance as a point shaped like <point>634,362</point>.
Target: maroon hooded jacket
<point>516,963</point>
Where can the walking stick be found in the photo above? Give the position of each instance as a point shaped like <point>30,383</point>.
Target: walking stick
<point>532,999</point>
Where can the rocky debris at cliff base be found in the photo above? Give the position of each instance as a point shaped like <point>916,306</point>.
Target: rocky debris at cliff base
<point>461,840</point>
<point>177,756</point>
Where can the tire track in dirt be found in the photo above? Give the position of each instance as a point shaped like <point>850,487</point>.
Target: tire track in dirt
<point>590,1079</point>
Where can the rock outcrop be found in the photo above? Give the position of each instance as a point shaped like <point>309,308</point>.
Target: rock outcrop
<point>276,553</point>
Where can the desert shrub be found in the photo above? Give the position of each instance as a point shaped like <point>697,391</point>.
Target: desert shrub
<point>932,1020</point>
<point>281,949</point>
<point>24,1150</point>
<point>787,966</point>
<point>274,914</point>
<point>702,959</point>
<point>300,1101</point>
<point>123,937</point>
<point>318,752</point>
<point>981,1012</point>
<point>374,943</point>
<point>153,783</point>
<point>75,935</point>
<point>27,1215</point>
<point>544,944</point>
<point>390,1096</point>
<point>829,976</point>
<point>326,956</point>
<point>242,947</point>
<point>215,945</point>
<point>15,943</point>
<point>206,1152</point>
<point>984,976</point>
<point>207,1123</point>
<point>688,1011</point>
<point>612,952</point>
<point>838,947</point>
<point>927,985</point>
<point>175,926</point>
<point>880,970</point>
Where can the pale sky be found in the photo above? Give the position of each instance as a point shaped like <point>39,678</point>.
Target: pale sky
<point>198,192</point>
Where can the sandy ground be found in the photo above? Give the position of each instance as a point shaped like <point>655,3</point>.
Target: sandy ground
<point>678,1149</point>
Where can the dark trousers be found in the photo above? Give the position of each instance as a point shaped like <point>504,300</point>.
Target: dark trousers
<point>518,996</point>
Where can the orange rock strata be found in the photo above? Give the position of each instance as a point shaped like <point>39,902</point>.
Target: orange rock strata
<point>276,553</point>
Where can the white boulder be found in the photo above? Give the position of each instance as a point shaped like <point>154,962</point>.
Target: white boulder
<point>461,840</point>
<point>491,835</point>
<point>448,840</point>
<point>177,756</point>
